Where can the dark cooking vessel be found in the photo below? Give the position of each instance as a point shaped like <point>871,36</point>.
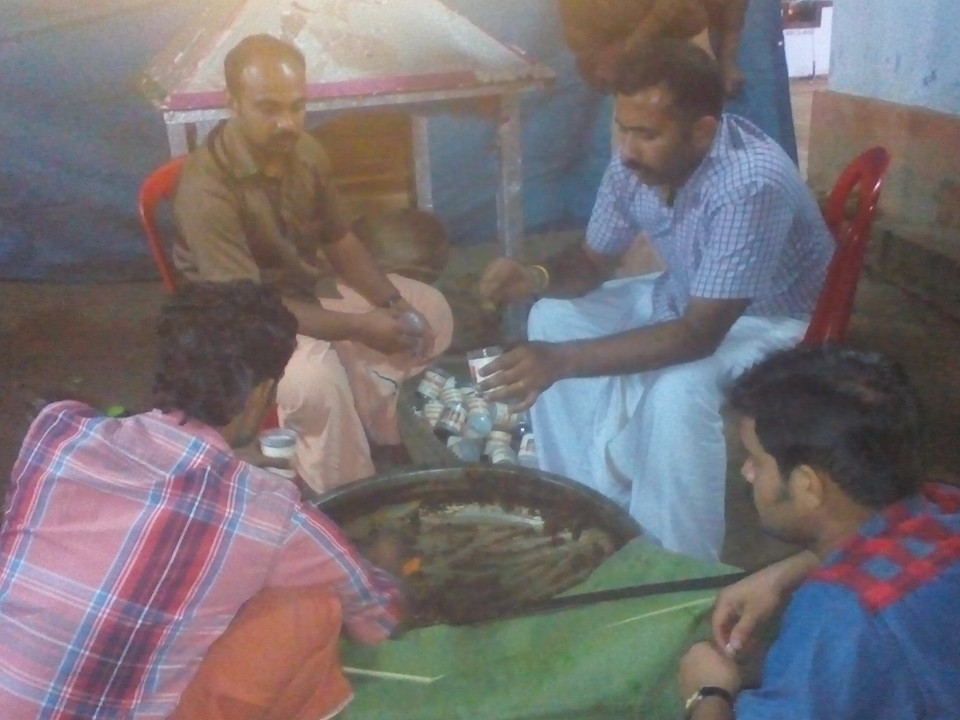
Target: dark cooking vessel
<point>557,531</point>
<point>561,501</point>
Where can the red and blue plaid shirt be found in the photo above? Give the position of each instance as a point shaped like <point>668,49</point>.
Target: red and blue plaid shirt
<point>127,547</point>
<point>874,632</point>
<point>899,550</point>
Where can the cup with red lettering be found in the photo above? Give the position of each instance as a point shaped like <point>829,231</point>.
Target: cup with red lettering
<point>477,359</point>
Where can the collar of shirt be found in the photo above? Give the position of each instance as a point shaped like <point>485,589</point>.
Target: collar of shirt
<point>206,433</point>
<point>720,148</point>
<point>900,548</point>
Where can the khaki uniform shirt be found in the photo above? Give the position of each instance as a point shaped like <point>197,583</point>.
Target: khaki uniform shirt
<point>236,223</point>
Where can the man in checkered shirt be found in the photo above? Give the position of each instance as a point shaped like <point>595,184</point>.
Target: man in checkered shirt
<point>625,377</point>
<point>871,628</point>
<point>148,573</point>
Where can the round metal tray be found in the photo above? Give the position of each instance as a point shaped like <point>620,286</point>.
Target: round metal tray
<point>486,539</point>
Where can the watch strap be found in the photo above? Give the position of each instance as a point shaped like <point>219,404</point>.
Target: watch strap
<point>705,692</point>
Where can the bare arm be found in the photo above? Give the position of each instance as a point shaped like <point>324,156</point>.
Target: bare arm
<point>727,18</point>
<point>528,369</point>
<point>704,665</point>
<point>354,264</point>
<point>572,272</point>
<point>668,18</point>
<point>381,327</point>
<point>693,336</point>
<point>741,607</point>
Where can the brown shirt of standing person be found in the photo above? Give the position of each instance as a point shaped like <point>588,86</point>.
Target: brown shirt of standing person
<point>599,32</point>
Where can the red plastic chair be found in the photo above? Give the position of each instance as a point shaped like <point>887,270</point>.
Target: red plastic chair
<point>159,185</point>
<point>831,316</point>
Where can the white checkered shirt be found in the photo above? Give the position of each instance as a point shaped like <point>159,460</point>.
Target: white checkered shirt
<point>743,226</point>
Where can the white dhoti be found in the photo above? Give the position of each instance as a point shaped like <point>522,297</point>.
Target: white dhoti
<point>653,441</point>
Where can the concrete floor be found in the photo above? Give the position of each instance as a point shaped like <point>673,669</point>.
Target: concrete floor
<point>96,342</point>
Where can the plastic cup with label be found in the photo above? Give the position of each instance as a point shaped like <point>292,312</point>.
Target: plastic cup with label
<point>467,449</point>
<point>502,417</point>
<point>479,421</point>
<point>503,455</point>
<point>431,384</point>
<point>279,444</point>
<point>527,454</point>
<point>496,439</point>
<point>451,421</point>
<point>431,412</point>
<point>477,359</point>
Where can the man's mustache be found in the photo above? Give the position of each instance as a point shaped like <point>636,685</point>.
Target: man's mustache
<point>633,165</point>
<point>283,136</point>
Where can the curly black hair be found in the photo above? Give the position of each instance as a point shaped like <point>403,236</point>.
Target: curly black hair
<point>849,413</point>
<point>217,342</point>
<point>692,76</point>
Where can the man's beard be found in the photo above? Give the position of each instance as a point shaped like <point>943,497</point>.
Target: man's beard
<point>282,142</point>
<point>647,175</point>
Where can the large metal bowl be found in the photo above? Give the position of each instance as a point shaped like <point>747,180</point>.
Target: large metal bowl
<point>485,540</point>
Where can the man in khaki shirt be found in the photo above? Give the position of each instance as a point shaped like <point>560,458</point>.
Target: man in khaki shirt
<point>255,202</point>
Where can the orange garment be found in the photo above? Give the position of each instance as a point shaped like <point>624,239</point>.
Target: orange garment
<point>277,660</point>
<point>337,395</point>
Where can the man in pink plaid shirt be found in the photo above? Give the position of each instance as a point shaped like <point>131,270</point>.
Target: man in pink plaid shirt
<point>133,549</point>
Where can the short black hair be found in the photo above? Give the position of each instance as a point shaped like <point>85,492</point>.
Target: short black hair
<point>692,76</point>
<point>254,47</point>
<point>849,413</point>
<point>217,342</point>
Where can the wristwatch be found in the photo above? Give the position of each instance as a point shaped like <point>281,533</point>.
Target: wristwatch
<point>705,692</point>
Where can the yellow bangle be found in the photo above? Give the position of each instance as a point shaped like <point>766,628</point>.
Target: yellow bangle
<point>546,277</point>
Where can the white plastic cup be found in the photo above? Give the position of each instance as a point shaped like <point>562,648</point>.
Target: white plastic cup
<point>527,454</point>
<point>467,449</point>
<point>278,443</point>
<point>431,384</point>
<point>477,359</point>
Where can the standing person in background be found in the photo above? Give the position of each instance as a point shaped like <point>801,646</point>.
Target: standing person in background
<point>871,630</point>
<point>144,566</point>
<point>625,377</point>
<point>255,202</point>
<point>600,32</point>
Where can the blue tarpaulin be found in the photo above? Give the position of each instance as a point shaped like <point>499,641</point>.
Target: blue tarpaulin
<point>76,138</point>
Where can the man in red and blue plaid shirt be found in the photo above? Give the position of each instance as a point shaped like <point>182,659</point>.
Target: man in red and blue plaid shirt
<point>872,628</point>
<point>129,546</point>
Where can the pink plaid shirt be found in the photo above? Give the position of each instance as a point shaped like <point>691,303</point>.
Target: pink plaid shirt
<point>128,545</point>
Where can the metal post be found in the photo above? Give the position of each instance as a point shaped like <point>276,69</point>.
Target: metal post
<point>509,200</point>
<point>510,207</point>
<point>421,163</point>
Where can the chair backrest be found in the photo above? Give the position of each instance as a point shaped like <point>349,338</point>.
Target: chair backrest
<point>159,185</point>
<point>831,316</point>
